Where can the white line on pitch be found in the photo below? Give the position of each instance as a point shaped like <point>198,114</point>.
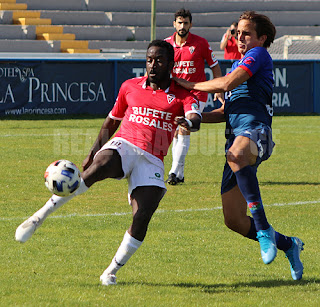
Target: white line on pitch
<point>161,211</point>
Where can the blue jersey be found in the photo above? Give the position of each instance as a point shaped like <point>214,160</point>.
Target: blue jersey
<point>250,104</point>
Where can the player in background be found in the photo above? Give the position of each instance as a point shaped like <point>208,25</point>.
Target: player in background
<point>248,116</point>
<point>229,43</point>
<point>190,54</point>
<point>149,109</point>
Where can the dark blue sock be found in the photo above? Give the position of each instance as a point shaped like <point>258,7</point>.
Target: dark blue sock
<point>248,184</point>
<point>283,242</point>
<point>252,234</point>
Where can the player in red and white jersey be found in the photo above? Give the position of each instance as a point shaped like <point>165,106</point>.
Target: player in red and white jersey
<point>190,54</point>
<point>148,115</point>
<point>150,108</point>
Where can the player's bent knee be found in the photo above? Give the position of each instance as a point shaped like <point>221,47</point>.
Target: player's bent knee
<point>231,223</point>
<point>234,157</point>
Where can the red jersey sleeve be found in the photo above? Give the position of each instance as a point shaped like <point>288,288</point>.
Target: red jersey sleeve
<point>120,106</point>
<point>189,101</point>
<point>191,105</point>
<point>209,55</point>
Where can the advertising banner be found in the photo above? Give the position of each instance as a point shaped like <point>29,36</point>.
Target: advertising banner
<point>293,87</point>
<point>49,88</point>
<point>91,87</point>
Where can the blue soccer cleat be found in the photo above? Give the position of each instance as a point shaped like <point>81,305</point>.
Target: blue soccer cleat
<point>293,255</point>
<point>268,245</point>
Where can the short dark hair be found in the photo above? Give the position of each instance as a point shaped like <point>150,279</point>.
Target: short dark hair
<point>183,13</point>
<point>263,26</point>
<point>163,44</point>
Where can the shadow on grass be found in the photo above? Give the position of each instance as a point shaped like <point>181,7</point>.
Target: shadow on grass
<point>220,288</point>
<point>289,183</point>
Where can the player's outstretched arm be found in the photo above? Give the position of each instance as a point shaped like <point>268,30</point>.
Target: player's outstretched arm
<point>108,128</point>
<point>218,85</point>
<point>215,116</point>
<point>191,122</point>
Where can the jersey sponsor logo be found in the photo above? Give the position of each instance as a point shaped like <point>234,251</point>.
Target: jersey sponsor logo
<point>170,98</point>
<point>184,67</point>
<point>191,49</point>
<point>156,176</point>
<point>152,118</point>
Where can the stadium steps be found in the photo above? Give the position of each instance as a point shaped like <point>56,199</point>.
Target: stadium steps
<point>12,5</point>
<point>31,21</point>
<point>114,24</point>
<point>200,6</point>
<point>49,34</point>
<point>76,46</point>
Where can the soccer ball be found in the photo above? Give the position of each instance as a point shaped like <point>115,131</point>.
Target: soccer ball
<point>62,177</point>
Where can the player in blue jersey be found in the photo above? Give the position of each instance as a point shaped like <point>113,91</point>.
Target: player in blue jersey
<point>248,115</point>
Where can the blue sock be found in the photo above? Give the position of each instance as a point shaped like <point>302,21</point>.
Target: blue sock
<point>283,242</point>
<point>248,184</point>
<point>252,234</point>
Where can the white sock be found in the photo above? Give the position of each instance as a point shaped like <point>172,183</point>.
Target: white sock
<point>174,167</point>
<point>56,202</point>
<point>174,144</point>
<point>127,248</point>
<point>181,150</point>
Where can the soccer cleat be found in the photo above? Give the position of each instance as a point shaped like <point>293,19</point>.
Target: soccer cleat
<point>172,179</point>
<point>293,255</point>
<point>27,228</point>
<point>108,279</point>
<point>268,245</point>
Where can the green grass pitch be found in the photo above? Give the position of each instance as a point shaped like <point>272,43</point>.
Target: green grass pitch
<point>189,258</point>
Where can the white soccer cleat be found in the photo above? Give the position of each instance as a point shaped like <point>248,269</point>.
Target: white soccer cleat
<point>108,279</point>
<point>27,228</point>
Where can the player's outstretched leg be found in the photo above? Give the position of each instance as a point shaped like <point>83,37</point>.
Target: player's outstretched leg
<point>28,227</point>
<point>248,184</point>
<point>144,201</point>
<point>127,248</point>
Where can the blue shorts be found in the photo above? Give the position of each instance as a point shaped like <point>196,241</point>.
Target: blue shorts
<point>262,138</point>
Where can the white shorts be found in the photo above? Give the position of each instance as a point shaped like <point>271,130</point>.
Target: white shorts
<point>140,167</point>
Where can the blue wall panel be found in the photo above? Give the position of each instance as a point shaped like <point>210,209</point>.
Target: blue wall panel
<point>90,87</point>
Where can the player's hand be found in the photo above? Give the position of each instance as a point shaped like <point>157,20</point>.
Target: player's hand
<point>186,84</point>
<point>182,122</point>
<point>228,34</point>
<point>220,97</point>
